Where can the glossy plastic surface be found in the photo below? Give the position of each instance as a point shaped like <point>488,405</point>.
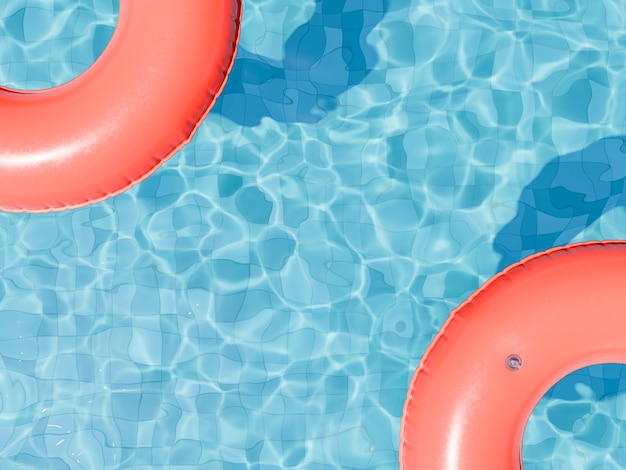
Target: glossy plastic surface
<point>501,350</point>
<point>117,122</point>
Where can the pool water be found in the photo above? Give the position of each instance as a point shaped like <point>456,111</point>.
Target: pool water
<point>263,299</point>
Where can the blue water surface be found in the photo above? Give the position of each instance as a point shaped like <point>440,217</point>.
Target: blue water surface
<point>263,299</point>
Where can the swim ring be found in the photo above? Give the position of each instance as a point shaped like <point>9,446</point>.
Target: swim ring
<point>501,350</point>
<point>113,125</point>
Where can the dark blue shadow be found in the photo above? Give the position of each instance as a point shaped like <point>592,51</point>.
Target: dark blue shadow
<point>570,193</point>
<point>322,59</point>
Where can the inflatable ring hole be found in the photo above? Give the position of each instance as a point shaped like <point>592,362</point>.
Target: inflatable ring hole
<point>46,44</point>
<point>513,362</point>
<point>580,421</point>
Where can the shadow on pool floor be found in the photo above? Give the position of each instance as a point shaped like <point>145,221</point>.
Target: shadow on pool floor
<point>322,59</point>
<point>570,193</point>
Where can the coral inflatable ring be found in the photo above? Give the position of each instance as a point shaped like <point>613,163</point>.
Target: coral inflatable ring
<point>502,350</point>
<point>113,125</point>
